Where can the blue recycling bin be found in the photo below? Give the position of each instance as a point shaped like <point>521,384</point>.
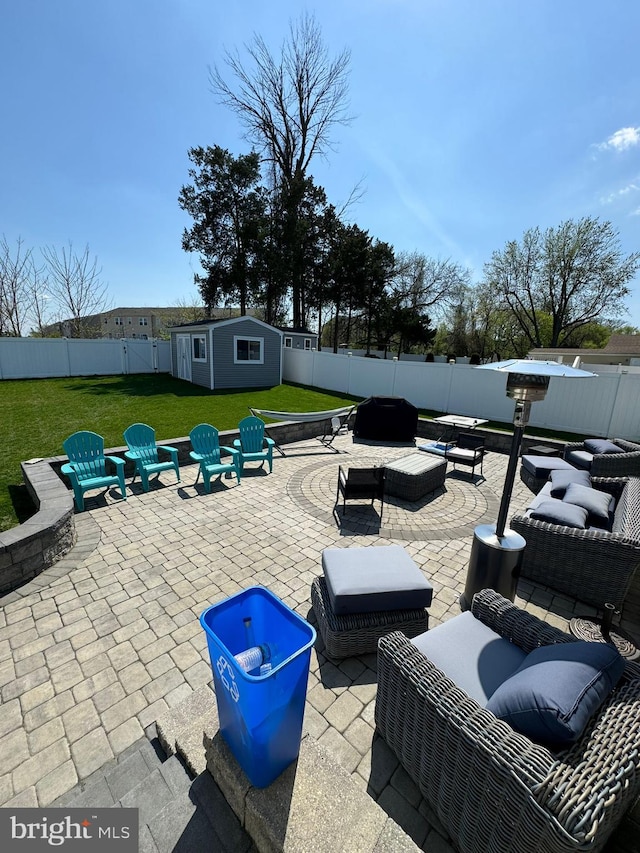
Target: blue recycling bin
<point>260,715</point>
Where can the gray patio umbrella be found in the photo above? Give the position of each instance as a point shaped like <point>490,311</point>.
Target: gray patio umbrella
<point>496,552</point>
<point>533,367</point>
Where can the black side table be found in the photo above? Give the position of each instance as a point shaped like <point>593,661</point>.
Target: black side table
<point>543,450</point>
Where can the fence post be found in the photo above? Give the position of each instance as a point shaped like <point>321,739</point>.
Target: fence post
<point>66,347</point>
<point>452,367</point>
<point>615,403</point>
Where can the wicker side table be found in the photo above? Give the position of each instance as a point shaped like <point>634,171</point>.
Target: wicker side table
<point>414,476</point>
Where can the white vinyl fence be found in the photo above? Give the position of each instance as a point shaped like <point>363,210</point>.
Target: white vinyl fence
<point>605,405</point>
<point>37,358</point>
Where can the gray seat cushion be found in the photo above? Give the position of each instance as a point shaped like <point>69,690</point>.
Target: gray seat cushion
<point>541,466</point>
<point>365,580</point>
<point>580,459</point>
<point>472,655</point>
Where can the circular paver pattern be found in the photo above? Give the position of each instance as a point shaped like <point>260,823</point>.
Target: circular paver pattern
<point>448,513</point>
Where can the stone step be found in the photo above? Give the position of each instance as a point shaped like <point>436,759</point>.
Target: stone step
<point>176,811</point>
<point>313,805</point>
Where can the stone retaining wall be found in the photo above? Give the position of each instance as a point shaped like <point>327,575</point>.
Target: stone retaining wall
<point>28,549</point>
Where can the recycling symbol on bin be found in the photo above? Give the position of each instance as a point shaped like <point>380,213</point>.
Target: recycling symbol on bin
<point>228,677</point>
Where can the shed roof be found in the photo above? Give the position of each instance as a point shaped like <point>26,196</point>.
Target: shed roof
<point>223,322</point>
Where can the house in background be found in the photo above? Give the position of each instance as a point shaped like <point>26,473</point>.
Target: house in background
<point>296,338</point>
<point>141,323</point>
<point>242,352</point>
<point>620,349</point>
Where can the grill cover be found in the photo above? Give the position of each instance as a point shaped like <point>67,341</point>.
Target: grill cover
<point>386,419</point>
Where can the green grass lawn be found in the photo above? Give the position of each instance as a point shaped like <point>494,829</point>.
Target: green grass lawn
<point>38,414</point>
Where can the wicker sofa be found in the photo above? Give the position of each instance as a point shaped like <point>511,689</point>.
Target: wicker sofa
<point>495,789</point>
<point>592,565</point>
<point>625,464</point>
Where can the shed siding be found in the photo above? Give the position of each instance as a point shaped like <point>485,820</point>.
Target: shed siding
<point>200,373</point>
<point>228,374</point>
<point>298,339</point>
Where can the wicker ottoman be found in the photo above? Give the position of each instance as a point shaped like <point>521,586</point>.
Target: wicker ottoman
<point>414,476</point>
<point>369,582</point>
<point>535,470</point>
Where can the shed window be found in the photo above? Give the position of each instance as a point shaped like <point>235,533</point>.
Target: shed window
<point>307,343</point>
<point>288,343</point>
<point>200,348</point>
<point>248,349</point>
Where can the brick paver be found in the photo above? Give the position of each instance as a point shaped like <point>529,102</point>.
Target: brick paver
<point>91,655</point>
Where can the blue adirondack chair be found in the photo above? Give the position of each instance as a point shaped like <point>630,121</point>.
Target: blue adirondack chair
<point>143,451</point>
<point>207,452</point>
<point>253,445</point>
<point>87,467</point>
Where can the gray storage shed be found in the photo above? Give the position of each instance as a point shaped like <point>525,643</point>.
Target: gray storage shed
<point>296,338</point>
<point>241,352</point>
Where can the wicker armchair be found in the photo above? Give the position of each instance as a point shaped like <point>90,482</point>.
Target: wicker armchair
<point>593,566</point>
<point>492,788</point>
<point>625,464</point>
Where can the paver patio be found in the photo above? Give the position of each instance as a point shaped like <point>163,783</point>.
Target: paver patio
<point>95,649</point>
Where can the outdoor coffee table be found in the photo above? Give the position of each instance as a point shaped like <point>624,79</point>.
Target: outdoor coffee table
<point>414,476</point>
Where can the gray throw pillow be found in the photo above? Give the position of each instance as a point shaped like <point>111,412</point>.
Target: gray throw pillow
<point>595,502</point>
<point>601,445</point>
<point>554,511</point>
<point>557,689</point>
<point>560,480</point>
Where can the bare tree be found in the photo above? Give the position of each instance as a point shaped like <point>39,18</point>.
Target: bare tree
<point>425,283</point>
<point>40,301</point>
<point>556,282</point>
<point>15,268</point>
<point>289,105</point>
<point>76,287</point>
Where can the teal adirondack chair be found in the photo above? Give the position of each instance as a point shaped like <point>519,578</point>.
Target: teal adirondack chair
<point>87,467</point>
<point>253,445</point>
<point>143,451</point>
<point>207,451</point>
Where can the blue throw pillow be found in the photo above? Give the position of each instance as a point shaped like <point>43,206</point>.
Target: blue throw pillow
<point>561,478</point>
<point>601,445</point>
<point>554,511</point>
<point>557,689</point>
<point>596,503</point>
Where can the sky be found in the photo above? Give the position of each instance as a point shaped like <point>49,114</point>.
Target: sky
<point>472,122</point>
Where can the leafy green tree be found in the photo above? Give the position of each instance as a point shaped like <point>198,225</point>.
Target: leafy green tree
<point>575,274</point>
<point>229,209</point>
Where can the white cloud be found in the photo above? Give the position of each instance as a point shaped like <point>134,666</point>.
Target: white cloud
<point>618,194</point>
<point>635,212</point>
<point>622,139</point>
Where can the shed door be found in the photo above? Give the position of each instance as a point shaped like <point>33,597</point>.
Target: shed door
<point>184,357</point>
